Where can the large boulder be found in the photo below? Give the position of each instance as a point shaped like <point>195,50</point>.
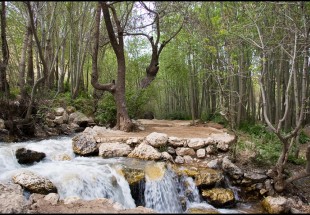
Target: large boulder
<point>85,144</point>
<point>12,200</point>
<point>108,150</point>
<point>27,156</point>
<point>34,183</point>
<point>208,177</point>
<point>219,197</point>
<point>146,152</point>
<point>157,139</point>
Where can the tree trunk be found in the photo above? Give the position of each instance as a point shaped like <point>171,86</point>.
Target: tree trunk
<point>4,85</point>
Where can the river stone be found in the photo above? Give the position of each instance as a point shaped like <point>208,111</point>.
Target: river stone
<point>12,200</point>
<point>146,152</point>
<point>219,197</point>
<point>176,142</point>
<point>230,168</point>
<point>181,151</point>
<point>208,177</point>
<point>196,143</point>
<point>108,150</point>
<point>59,111</point>
<point>275,205</point>
<point>157,139</point>
<point>84,144</point>
<point>34,183</point>
<point>27,156</point>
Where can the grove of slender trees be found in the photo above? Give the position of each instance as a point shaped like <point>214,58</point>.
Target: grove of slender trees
<point>245,61</point>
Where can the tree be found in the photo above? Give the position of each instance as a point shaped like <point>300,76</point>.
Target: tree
<point>4,85</point>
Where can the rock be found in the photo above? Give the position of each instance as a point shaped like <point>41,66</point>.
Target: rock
<point>59,111</point>
<point>71,199</point>
<point>176,142</point>
<point>230,168</point>
<point>155,171</point>
<point>50,116</point>
<point>157,139</point>
<point>34,183</point>
<point>208,177</point>
<point>12,200</point>
<point>179,159</point>
<point>181,151</point>
<point>58,120</point>
<point>146,152</point>
<point>85,144</point>
<point>252,177</point>
<point>188,159</point>
<point>211,149</point>
<point>166,156</point>
<point>275,205</point>
<point>52,198</point>
<point>65,116</point>
<point>223,138</point>
<point>133,141</point>
<point>219,197</point>
<point>170,150</point>
<point>132,176</point>
<point>201,153</point>
<point>108,150</point>
<point>27,156</point>
<point>196,143</point>
<point>79,118</point>
<point>214,164</point>
<point>70,109</point>
<point>223,146</point>
<point>2,126</point>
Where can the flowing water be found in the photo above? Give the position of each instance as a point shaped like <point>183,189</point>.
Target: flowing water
<point>95,177</point>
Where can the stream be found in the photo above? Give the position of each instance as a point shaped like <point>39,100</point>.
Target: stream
<point>95,177</point>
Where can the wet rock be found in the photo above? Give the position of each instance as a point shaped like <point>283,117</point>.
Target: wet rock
<point>108,150</point>
<point>275,205</point>
<point>27,156</point>
<point>34,183</point>
<point>181,151</point>
<point>146,152</point>
<point>157,139</point>
<point>219,197</point>
<point>132,176</point>
<point>155,171</point>
<point>208,177</point>
<point>12,200</point>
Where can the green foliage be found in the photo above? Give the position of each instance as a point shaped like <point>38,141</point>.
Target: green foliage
<point>303,138</point>
<point>106,112</point>
<point>178,115</point>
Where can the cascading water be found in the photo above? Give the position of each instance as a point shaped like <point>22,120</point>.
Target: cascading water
<point>94,177</point>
